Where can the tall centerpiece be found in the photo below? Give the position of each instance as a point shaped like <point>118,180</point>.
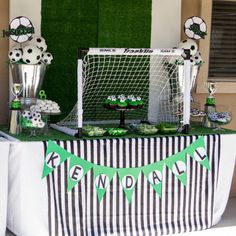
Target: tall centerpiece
<point>15,127</point>
<point>210,105</point>
<point>29,59</point>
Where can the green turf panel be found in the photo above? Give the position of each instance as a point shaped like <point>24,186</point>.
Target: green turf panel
<point>124,23</point>
<point>56,135</point>
<point>66,26</point>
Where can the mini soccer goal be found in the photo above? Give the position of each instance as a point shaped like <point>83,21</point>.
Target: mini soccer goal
<point>161,77</point>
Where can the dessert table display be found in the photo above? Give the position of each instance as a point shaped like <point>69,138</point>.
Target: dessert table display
<point>143,177</point>
<point>4,147</point>
<point>195,201</point>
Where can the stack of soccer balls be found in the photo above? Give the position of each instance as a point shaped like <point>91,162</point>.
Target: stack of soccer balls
<point>32,52</point>
<point>195,29</point>
<point>190,44</point>
<point>32,119</point>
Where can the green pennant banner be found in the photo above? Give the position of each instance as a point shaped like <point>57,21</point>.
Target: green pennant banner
<point>128,178</point>
<point>197,151</point>
<point>102,177</point>
<point>55,155</point>
<point>153,173</point>
<point>77,170</point>
<point>177,164</point>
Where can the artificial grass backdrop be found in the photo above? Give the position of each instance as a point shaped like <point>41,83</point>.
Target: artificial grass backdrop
<point>69,25</point>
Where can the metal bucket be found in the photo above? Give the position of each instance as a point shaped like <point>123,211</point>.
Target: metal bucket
<point>30,76</point>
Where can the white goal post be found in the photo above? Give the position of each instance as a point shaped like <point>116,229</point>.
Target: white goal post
<point>154,74</point>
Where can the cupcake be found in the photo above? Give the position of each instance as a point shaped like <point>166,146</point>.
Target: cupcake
<point>122,104</point>
<point>133,104</point>
<point>113,103</point>
<point>140,102</point>
<point>129,98</point>
<point>121,96</point>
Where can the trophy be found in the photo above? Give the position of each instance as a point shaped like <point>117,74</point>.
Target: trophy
<point>211,86</point>
<point>15,116</point>
<point>210,105</point>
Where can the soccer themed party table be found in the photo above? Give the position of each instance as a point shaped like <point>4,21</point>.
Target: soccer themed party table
<point>121,186</point>
<point>130,160</point>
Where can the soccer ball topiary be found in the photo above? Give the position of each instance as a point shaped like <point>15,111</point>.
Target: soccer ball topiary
<point>47,58</point>
<point>31,55</point>
<point>20,23</point>
<point>15,55</point>
<point>195,27</point>
<point>39,42</point>
<point>189,44</point>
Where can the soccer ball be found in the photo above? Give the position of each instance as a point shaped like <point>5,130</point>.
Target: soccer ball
<point>47,58</point>
<point>35,121</point>
<point>36,115</point>
<point>41,124</point>
<point>189,44</point>
<point>195,28</point>
<point>15,55</point>
<point>196,59</point>
<point>39,42</point>
<point>20,22</point>
<point>27,114</point>
<point>31,55</point>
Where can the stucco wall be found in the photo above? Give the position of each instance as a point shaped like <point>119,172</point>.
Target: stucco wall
<point>190,8</point>
<point>4,15</point>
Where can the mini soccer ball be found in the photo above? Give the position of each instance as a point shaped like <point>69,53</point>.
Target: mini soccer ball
<point>15,55</point>
<point>47,58</point>
<point>27,114</point>
<point>195,28</point>
<point>31,55</point>
<point>36,115</point>
<point>20,23</point>
<point>39,42</point>
<point>189,44</point>
<point>197,59</point>
<point>41,124</point>
<point>35,120</point>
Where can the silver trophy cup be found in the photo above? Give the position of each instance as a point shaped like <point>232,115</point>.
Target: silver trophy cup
<point>16,89</point>
<point>31,77</point>
<point>15,115</point>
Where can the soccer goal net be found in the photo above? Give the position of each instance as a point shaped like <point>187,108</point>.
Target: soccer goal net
<point>155,75</point>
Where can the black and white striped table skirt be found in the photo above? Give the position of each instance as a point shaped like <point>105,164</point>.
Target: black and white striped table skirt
<point>181,209</point>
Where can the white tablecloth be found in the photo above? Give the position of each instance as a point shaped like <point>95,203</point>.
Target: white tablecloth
<point>28,193</point>
<point>4,152</point>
